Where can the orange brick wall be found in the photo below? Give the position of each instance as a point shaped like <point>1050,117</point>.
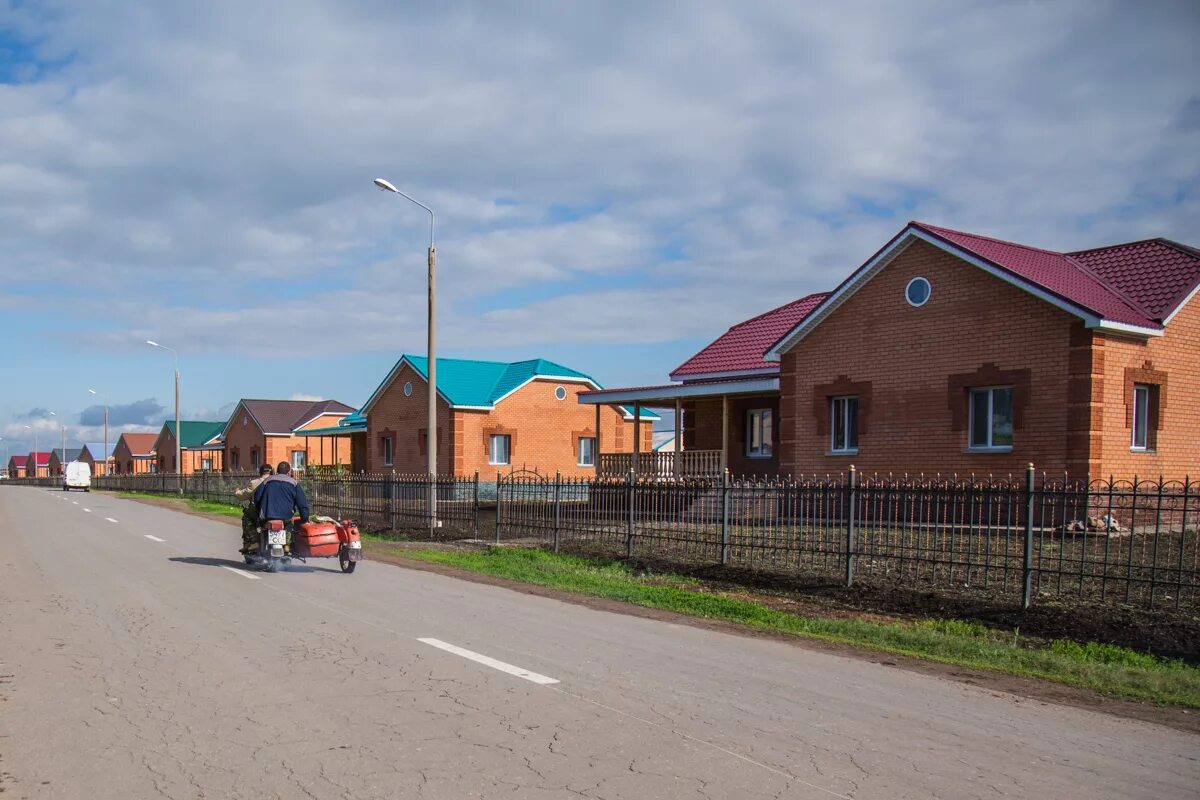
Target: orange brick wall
<point>125,464</point>
<point>245,436</point>
<point>908,355</point>
<point>544,430</point>
<point>193,460</point>
<point>702,431</point>
<point>1177,356</point>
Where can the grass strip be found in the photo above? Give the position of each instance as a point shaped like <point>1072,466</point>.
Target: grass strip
<point>1112,670</point>
<point>200,506</point>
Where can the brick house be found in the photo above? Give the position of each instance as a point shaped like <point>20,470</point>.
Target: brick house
<point>270,431</point>
<point>16,466</point>
<point>726,402</point>
<point>493,417</point>
<point>133,454</point>
<point>200,446</point>
<point>92,454</point>
<point>60,457</point>
<point>39,463</point>
<point>948,352</point>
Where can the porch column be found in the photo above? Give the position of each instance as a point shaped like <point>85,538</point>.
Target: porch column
<point>724,432</point>
<point>637,438</point>
<point>597,464</point>
<point>678,437</point>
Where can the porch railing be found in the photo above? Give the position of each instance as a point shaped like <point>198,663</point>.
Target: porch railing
<point>659,464</point>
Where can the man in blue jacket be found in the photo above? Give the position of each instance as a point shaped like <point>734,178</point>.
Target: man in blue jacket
<point>280,495</point>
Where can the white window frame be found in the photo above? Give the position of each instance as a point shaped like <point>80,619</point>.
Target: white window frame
<point>255,459</point>
<point>304,458</point>
<point>580,462</point>
<point>1141,418</point>
<point>206,464</point>
<point>838,406</point>
<point>766,444</point>
<point>493,438</point>
<point>991,395</point>
<point>389,451</point>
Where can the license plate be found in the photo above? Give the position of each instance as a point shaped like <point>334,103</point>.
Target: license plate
<point>355,545</point>
<point>276,537</point>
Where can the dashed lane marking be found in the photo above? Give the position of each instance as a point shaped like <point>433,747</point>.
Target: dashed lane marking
<point>489,662</point>
<point>110,519</point>
<point>88,510</point>
<point>153,538</point>
<point>241,572</point>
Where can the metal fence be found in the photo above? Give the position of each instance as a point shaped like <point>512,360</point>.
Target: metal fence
<point>1017,540</point>
<point>1034,537</point>
<point>377,502</point>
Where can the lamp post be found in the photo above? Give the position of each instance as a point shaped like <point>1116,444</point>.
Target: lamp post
<point>431,438</point>
<point>35,444</point>
<point>104,400</point>
<point>178,432</point>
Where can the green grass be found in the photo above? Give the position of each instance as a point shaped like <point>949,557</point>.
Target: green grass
<point>201,506</point>
<point>1105,668</point>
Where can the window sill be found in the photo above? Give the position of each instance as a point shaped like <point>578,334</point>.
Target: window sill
<point>841,452</point>
<point>1143,451</point>
<point>586,466</point>
<point>986,450</point>
<point>495,464</point>
<point>759,457</point>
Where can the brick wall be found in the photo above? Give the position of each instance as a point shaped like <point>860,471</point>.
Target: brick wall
<point>702,431</point>
<point>403,419</point>
<point>916,364</point>
<point>243,437</point>
<point>1173,363</point>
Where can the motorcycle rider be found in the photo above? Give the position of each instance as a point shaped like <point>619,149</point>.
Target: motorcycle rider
<point>279,495</point>
<point>250,510</point>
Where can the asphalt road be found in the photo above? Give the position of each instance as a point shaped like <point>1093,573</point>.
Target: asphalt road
<point>138,660</point>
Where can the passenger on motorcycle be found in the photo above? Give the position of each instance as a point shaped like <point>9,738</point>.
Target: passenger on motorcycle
<point>250,510</point>
<point>280,495</point>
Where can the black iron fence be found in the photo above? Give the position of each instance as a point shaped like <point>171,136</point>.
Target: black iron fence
<point>1016,540</point>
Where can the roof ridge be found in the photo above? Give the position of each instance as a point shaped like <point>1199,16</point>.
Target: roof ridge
<point>1008,242</point>
<point>778,308</point>
<point>1120,295</point>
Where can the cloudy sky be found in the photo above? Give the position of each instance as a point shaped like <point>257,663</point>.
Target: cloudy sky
<point>615,182</point>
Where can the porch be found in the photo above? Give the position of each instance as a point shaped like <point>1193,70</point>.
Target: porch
<point>719,426</point>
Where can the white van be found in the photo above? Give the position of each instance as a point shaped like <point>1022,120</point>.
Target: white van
<point>78,475</point>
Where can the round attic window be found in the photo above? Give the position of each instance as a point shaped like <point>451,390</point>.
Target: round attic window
<point>917,292</point>
<point>560,393</point>
<point>408,389</point>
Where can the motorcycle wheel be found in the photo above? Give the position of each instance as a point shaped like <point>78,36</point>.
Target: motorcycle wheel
<point>275,565</point>
<point>346,564</point>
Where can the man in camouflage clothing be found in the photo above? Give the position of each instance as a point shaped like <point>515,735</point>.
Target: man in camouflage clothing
<point>250,511</point>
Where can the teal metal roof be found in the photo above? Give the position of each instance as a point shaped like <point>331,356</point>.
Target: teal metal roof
<point>196,434</point>
<point>468,383</point>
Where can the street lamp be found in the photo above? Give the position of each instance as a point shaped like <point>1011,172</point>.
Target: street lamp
<point>62,461</point>
<point>35,443</point>
<point>104,400</point>
<point>431,438</point>
<point>178,432</point>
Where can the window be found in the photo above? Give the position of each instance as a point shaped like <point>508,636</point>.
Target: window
<point>408,389</point>
<point>254,460</point>
<point>758,433</point>
<point>1143,419</point>
<point>153,467</point>
<point>206,464</point>
<point>560,393</point>
<point>843,424</point>
<point>235,460</point>
<point>498,448</point>
<point>991,423</point>
<point>299,460</point>
<point>917,292</point>
<point>587,451</point>
<point>387,451</point>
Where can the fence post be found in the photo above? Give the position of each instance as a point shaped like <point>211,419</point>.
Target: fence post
<point>475,507</point>
<point>630,498</point>
<point>724,517</point>
<point>392,501</point>
<point>1027,573</point>
<point>851,513</point>
<point>557,508</point>
<point>499,504</point>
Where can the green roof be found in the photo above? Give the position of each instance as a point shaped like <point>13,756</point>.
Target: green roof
<point>481,384</point>
<point>196,434</point>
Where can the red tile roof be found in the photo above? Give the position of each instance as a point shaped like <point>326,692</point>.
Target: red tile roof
<point>43,459</point>
<point>741,348</point>
<point>1139,283</point>
<point>283,416</point>
<point>19,461</point>
<point>140,444</point>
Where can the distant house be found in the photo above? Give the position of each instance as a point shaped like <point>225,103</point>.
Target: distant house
<point>16,466</point>
<point>92,454</point>
<point>493,417</point>
<point>200,446</point>
<point>37,464</point>
<point>134,454</point>
<point>59,458</point>
<point>271,431</point>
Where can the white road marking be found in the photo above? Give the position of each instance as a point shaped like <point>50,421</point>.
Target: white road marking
<point>153,538</point>
<point>88,510</point>
<point>74,502</point>
<point>490,662</point>
<point>241,572</point>
<point>110,519</point>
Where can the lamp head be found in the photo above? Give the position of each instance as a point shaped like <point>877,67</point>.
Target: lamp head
<point>153,344</point>
<point>385,186</point>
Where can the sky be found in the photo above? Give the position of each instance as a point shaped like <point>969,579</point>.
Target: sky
<point>615,183</point>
